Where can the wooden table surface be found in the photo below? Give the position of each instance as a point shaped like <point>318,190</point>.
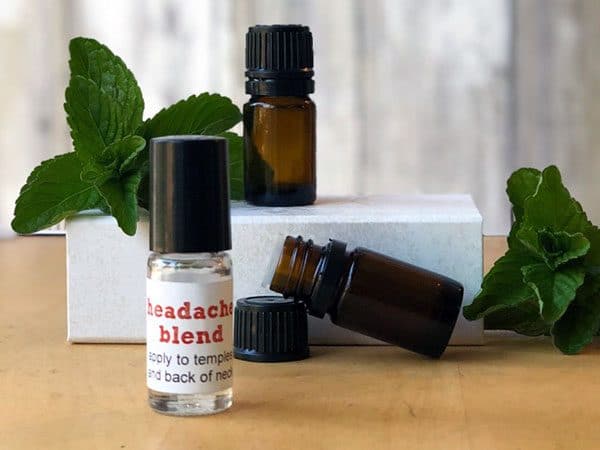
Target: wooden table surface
<point>514,392</point>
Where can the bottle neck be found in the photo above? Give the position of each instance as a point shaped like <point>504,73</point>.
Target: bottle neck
<point>290,87</point>
<point>310,273</point>
<point>298,267</point>
<point>281,100</point>
<point>188,255</point>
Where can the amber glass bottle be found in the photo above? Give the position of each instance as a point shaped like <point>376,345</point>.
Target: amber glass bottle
<point>279,119</point>
<point>370,293</point>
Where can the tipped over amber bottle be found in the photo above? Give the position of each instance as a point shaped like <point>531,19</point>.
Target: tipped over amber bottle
<point>279,119</point>
<point>370,293</point>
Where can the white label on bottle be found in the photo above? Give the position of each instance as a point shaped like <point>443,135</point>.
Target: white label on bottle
<point>189,346</point>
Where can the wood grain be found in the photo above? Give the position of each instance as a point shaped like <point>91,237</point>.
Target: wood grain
<point>515,392</point>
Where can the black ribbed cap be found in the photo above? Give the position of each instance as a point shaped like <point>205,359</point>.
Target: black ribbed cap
<point>189,194</point>
<point>279,60</point>
<point>270,329</point>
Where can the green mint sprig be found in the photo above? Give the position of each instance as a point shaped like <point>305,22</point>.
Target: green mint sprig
<point>109,167</point>
<point>549,279</point>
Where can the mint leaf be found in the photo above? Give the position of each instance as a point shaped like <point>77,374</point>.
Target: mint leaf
<point>552,207</point>
<point>592,258</point>
<point>560,247</point>
<point>95,62</point>
<point>117,178</point>
<point>104,107</point>
<point>236,165</point>
<point>554,247</point>
<point>103,101</point>
<point>95,118</point>
<point>117,159</point>
<point>120,196</point>
<point>554,289</point>
<point>524,318</point>
<point>54,192</point>
<point>577,327</point>
<point>207,114</point>
<point>502,287</point>
<point>549,279</point>
<point>125,152</point>
<point>521,185</point>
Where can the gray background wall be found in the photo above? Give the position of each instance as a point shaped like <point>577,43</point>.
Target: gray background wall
<point>427,96</point>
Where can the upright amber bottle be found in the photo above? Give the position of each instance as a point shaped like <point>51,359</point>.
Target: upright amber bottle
<point>370,293</point>
<point>279,119</point>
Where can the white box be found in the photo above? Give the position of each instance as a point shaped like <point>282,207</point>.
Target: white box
<point>106,269</point>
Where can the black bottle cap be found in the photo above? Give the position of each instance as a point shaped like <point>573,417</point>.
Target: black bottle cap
<point>189,194</point>
<point>270,329</point>
<point>279,60</point>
